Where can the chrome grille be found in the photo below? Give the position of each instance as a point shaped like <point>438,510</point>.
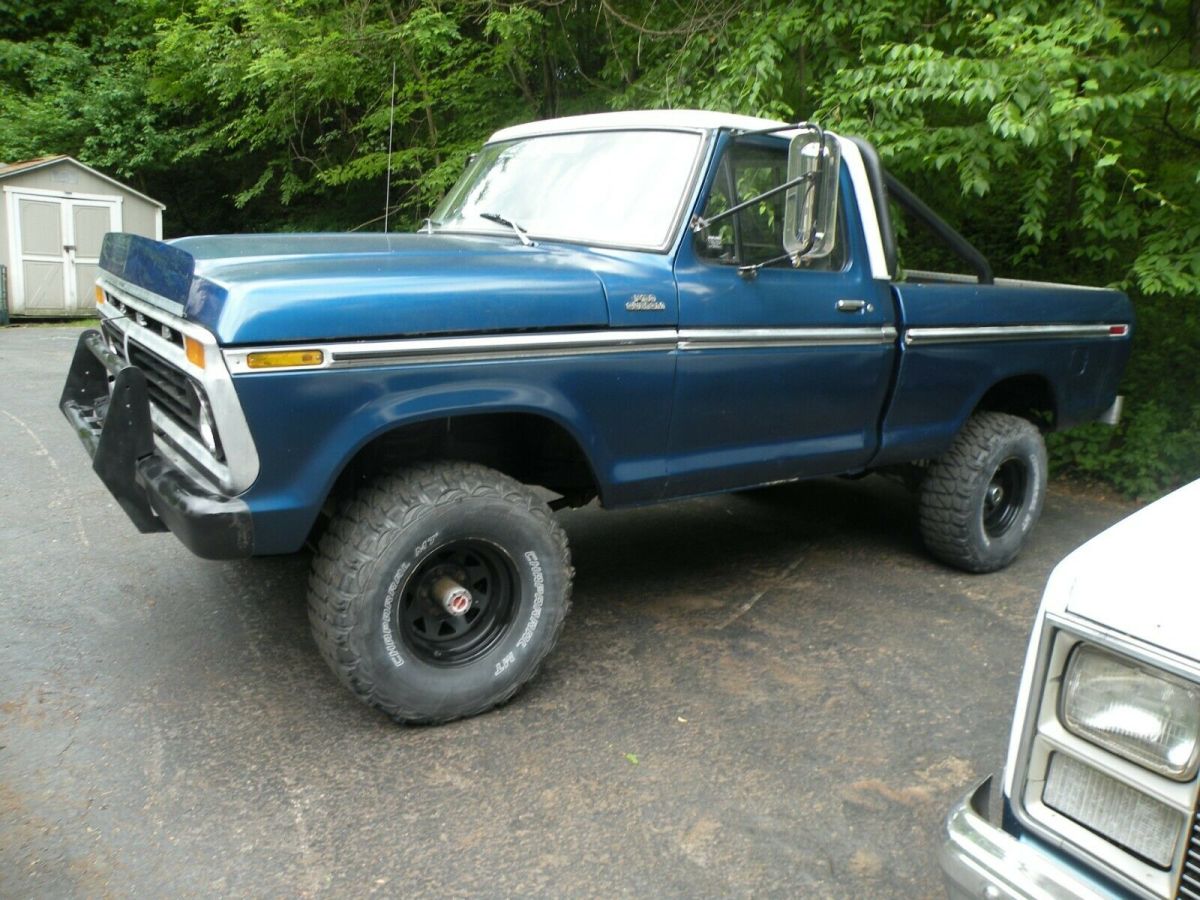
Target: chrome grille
<point>1189,879</point>
<point>115,338</point>
<point>170,389</point>
<point>147,320</point>
<point>194,412</point>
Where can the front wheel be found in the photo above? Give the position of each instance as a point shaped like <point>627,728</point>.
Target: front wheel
<point>980,500</point>
<point>439,590</point>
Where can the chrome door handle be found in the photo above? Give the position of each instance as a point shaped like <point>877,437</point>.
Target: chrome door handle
<point>851,306</point>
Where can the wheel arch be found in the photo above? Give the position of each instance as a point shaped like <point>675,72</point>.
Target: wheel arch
<point>1030,396</point>
<point>532,446</point>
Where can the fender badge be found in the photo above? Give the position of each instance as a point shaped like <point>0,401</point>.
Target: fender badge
<point>644,303</point>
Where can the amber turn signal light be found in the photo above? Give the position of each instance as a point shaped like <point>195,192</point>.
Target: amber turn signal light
<point>195,351</point>
<point>279,359</point>
<point>100,298</point>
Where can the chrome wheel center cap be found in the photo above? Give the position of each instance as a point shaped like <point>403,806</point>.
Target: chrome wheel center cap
<point>995,495</point>
<point>454,598</point>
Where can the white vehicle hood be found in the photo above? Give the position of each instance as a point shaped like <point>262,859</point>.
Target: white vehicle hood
<point>1140,576</point>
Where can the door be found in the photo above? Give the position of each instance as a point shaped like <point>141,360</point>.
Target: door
<point>90,221</point>
<point>56,243</point>
<point>782,373</point>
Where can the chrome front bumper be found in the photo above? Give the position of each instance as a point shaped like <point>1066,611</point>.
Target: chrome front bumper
<point>981,860</point>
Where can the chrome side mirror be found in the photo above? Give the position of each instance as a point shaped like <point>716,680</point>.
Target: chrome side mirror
<point>810,210</point>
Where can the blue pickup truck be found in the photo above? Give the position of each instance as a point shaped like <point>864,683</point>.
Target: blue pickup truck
<point>633,307</point>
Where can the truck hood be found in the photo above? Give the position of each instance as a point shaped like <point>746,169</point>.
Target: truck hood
<point>267,289</point>
<point>1138,578</point>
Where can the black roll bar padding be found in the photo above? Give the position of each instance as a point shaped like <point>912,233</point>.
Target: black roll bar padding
<point>959,245</point>
<point>875,178</point>
<point>882,183</point>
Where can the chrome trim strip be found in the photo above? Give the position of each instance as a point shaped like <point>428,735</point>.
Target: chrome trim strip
<point>1011,333</point>
<point>506,345</point>
<point>463,349</point>
<point>571,343</point>
<point>741,338</point>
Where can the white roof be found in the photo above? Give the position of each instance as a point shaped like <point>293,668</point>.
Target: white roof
<point>692,119</point>
<point>704,120</point>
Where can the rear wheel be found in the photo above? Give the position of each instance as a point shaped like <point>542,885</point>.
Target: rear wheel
<point>439,590</point>
<point>980,500</point>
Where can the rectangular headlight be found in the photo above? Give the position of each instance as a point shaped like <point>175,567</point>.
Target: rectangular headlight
<point>1142,714</point>
<point>1112,809</point>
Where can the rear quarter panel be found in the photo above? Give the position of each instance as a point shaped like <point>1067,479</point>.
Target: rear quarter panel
<point>939,384</point>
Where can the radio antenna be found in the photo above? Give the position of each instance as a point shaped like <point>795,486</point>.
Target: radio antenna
<point>387,190</point>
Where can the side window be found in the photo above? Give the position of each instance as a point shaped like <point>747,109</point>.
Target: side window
<point>754,235</point>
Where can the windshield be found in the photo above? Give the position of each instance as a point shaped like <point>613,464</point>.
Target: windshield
<point>618,188</point>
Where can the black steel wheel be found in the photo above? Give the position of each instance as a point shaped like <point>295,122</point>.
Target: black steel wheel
<point>1005,497</point>
<point>980,500</point>
<point>438,591</point>
<point>457,602</point>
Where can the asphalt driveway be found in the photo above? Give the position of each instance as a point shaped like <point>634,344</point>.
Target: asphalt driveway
<point>769,694</point>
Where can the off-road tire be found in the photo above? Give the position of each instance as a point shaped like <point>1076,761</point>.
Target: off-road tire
<point>369,564</point>
<point>967,519</point>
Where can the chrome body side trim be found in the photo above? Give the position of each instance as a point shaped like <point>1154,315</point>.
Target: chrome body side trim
<point>752,338</point>
<point>348,354</point>
<point>242,463</point>
<point>1012,333</point>
<point>464,349</point>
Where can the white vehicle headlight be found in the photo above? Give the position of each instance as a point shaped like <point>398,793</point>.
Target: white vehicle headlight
<point>1142,714</point>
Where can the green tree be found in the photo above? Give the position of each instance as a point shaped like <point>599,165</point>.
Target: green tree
<point>1063,140</point>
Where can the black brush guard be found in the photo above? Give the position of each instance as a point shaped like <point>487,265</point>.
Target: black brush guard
<point>114,427</point>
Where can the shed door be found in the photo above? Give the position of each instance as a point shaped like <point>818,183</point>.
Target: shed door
<point>90,222</point>
<point>56,250</point>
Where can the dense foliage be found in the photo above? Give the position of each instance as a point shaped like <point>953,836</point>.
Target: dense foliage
<point>1063,139</point>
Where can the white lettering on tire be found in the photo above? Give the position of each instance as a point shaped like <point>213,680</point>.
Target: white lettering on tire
<point>539,596</point>
<point>389,639</point>
<point>1035,495</point>
<point>538,579</point>
<point>425,545</point>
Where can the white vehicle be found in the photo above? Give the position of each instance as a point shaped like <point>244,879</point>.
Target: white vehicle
<point>1099,793</point>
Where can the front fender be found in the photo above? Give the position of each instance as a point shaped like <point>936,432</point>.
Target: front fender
<point>307,426</point>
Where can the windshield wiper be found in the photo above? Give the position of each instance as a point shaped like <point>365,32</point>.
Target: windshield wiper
<point>427,226</point>
<point>517,229</point>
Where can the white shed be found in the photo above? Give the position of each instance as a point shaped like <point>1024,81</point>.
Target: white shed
<point>54,213</point>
